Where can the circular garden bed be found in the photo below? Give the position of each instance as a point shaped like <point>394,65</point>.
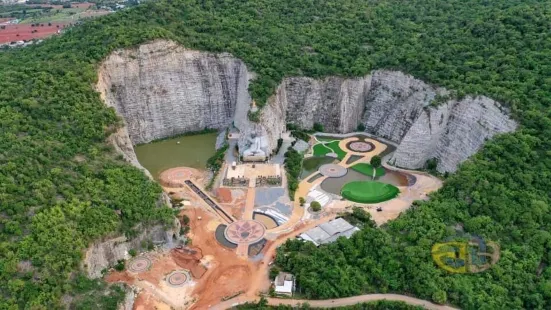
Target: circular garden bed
<point>360,146</point>
<point>369,191</point>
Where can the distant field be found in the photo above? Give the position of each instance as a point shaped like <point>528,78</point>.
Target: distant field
<point>24,32</point>
<point>45,13</point>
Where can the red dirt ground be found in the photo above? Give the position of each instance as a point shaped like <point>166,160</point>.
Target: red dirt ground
<point>235,205</point>
<point>189,262</point>
<point>227,275</point>
<point>146,301</point>
<point>224,195</point>
<point>160,267</point>
<point>11,32</point>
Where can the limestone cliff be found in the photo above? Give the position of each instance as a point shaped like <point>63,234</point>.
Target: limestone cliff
<point>162,89</point>
<point>105,254</point>
<point>397,107</point>
<point>335,102</point>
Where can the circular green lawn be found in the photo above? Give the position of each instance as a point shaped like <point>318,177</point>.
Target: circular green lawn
<point>369,191</point>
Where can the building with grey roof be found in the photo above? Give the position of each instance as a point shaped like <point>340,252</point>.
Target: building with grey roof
<point>329,232</point>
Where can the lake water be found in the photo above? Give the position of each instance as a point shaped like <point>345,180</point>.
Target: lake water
<point>193,151</point>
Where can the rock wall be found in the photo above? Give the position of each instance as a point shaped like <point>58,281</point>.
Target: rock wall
<point>105,254</point>
<point>335,102</point>
<point>399,108</point>
<point>162,89</point>
<point>451,132</point>
<point>129,298</point>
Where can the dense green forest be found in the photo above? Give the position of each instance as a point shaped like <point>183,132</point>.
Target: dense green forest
<point>62,186</point>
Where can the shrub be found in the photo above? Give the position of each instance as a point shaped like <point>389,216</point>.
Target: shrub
<point>120,265</point>
<point>274,271</point>
<point>440,297</point>
<point>316,206</point>
<point>254,116</point>
<point>185,220</point>
<point>300,135</point>
<point>375,161</point>
<point>432,164</point>
<point>291,127</point>
<point>318,127</point>
<point>184,230</point>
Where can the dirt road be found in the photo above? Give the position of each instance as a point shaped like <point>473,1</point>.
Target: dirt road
<point>332,303</point>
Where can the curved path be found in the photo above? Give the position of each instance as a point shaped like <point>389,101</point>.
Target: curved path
<point>340,302</point>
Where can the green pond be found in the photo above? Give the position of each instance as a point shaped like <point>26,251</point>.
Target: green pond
<point>192,151</point>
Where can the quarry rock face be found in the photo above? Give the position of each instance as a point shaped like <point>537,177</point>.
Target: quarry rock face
<point>162,89</point>
<point>335,102</point>
<point>422,119</point>
<point>105,254</point>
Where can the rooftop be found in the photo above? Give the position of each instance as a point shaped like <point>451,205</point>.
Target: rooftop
<point>329,232</point>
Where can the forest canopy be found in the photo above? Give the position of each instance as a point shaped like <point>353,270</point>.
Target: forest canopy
<point>62,186</point>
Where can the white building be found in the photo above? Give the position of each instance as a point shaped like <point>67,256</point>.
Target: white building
<point>329,232</point>
<point>284,284</point>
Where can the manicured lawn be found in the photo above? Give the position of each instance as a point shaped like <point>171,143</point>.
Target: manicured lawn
<point>321,149</point>
<point>369,191</point>
<point>367,169</point>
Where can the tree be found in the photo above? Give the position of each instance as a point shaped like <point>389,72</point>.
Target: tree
<point>316,206</point>
<point>432,164</point>
<point>318,127</point>
<point>361,127</point>
<point>302,201</point>
<point>375,162</point>
<point>440,297</point>
<point>274,271</point>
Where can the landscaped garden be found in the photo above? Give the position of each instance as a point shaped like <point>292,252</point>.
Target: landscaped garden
<point>367,169</point>
<point>369,191</point>
<point>322,149</point>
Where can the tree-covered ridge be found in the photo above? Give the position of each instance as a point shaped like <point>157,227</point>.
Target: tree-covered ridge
<point>61,186</point>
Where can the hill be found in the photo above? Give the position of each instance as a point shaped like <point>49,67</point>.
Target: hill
<point>61,183</point>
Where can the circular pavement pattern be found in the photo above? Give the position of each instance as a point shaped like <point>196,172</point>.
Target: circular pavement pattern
<point>360,146</point>
<point>175,177</point>
<point>178,278</point>
<point>332,170</point>
<point>139,264</point>
<point>245,231</point>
